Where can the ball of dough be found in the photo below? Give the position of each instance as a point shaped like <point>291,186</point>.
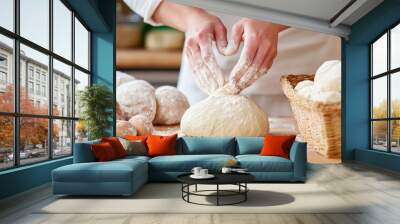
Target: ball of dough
<point>137,97</point>
<point>328,76</point>
<point>225,115</point>
<point>308,91</point>
<point>171,104</point>
<point>125,128</point>
<point>122,78</point>
<point>303,84</point>
<point>327,97</point>
<point>142,124</point>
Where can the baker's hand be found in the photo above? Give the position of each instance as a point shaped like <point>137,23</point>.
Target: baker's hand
<point>202,31</point>
<point>259,51</point>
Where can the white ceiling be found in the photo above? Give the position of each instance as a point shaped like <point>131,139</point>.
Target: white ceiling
<point>326,16</point>
<point>321,9</point>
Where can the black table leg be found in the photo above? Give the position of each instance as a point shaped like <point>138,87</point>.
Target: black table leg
<point>195,188</point>
<point>217,194</point>
<point>245,193</point>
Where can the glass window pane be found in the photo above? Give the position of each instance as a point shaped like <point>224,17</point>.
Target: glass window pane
<point>34,96</point>
<point>395,136</point>
<point>81,132</point>
<point>395,47</point>
<point>6,74</point>
<point>7,14</point>
<point>379,55</point>
<point>62,138</point>
<point>379,135</point>
<point>6,142</point>
<point>35,21</point>
<point>379,97</point>
<point>62,29</point>
<point>395,94</point>
<point>62,89</point>
<point>81,45</point>
<point>33,139</point>
<point>81,81</point>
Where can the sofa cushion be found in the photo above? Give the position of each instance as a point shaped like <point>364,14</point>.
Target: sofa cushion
<point>206,145</point>
<point>161,145</point>
<point>249,145</point>
<point>134,147</point>
<point>257,163</point>
<point>277,145</point>
<point>185,163</point>
<point>133,158</point>
<point>116,145</point>
<point>112,171</point>
<point>103,152</point>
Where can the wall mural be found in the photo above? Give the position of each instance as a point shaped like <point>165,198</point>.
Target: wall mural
<point>176,82</point>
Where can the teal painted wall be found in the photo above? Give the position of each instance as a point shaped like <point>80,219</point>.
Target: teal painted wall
<point>104,55</point>
<point>356,99</point>
<point>99,16</point>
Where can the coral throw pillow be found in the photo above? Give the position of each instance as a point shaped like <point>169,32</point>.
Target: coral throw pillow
<point>277,145</point>
<point>135,138</point>
<point>116,145</point>
<point>161,145</point>
<point>103,152</point>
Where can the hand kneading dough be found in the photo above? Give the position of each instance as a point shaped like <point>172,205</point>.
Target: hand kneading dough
<point>137,97</point>
<point>225,115</point>
<point>171,104</point>
<point>125,128</point>
<point>142,124</point>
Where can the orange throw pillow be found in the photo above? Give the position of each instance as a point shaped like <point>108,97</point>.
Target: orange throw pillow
<point>103,152</point>
<point>135,138</point>
<point>277,145</point>
<point>161,145</point>
<point>116,145</point>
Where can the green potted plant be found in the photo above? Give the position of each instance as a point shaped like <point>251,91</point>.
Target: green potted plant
<point>96,103</point>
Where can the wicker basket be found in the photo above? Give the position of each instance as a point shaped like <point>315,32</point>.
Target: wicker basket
<point>319,124</point>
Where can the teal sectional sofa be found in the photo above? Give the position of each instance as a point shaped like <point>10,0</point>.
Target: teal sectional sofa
<point>125,176</point>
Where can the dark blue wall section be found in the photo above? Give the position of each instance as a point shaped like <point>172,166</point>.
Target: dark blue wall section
<point>89,11</point>
<point>356,85</point>
<point>99,16</point>
<point>356,99</point>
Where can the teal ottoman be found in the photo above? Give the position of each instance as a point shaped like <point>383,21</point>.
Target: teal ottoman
<point>118,177</point>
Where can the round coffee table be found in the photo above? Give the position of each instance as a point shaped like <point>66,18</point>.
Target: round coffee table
<point>238,179</point>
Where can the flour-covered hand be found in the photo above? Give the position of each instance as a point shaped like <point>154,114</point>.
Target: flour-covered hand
<point>203,30</point>
<point>259,51</point>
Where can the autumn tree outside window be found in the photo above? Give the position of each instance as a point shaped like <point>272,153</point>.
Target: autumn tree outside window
<point>385,91</point>
<point>44,64</point>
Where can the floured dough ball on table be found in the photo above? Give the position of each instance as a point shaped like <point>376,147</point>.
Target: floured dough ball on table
<point>125,128</point>
<point>225,115</point>
<point>122,78</point>
<point>142,124</point>
<point>171,104</point>
<point>137,97</point>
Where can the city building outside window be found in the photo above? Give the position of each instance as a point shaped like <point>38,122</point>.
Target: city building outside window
<point>42,128</point>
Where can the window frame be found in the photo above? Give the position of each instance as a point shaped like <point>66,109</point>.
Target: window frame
<point>388,74</point>
<point>16,114</point>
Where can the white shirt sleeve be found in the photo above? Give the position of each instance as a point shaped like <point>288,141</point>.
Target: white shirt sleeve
<point>144,8</point>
